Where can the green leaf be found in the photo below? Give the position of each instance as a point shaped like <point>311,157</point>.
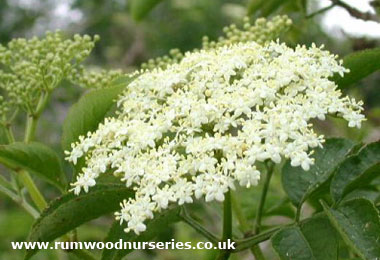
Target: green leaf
<point>358,223</point>
<point>140,8</point>
<point>314,239</point>
<point>35,158</point>
<point>361,64</point>
<point>264,7</point>
<point>90,110</point>
<point>303,5</point>
<point>370,193</point>
<point>271,6</point>
<point>157,225</point>
<point>300,184</point>
<point>254,6</point>
<point>70,211</point>
<point>356,171</point>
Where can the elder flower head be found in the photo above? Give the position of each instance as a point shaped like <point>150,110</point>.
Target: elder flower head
<point>198,127</point>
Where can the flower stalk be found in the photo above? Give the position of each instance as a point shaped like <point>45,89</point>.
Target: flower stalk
<point>31,123</point>
<point>32,117</point>
<point>227,217</point>
<point>227,224</point>
<point>83,254</point>
<point>5,188</point>
<point>196,226</point>
<point>260,208</point>
<point>255,240</point>
<point>245,227</point>
<point>256,250</point>
<point>26,179</point>
<point>34,192</point>
<point>9,133</point>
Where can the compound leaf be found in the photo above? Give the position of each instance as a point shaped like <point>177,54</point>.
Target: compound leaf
<point>70,211</point>
<point>313,239</point>
<point>358,222</point>
<point>356,171</point>
<point>300,184</point>
<point>36,158</point>
<point>158,224</point>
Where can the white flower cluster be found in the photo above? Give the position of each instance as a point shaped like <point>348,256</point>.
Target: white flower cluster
<point>197,127</point>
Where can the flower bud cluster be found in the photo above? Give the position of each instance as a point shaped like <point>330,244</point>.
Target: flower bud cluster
<point>261,32</point>
<point>95,78</point>
<point>175,56</point>
<point>29,67</point>
<point>197,128</point>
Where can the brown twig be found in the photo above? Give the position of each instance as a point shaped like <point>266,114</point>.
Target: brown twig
<point>366,16</point>
<point>320,11</point>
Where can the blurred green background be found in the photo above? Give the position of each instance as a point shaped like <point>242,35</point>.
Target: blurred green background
<point>126,43</point>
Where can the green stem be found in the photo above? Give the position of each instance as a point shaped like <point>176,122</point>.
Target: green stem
<point>227,225</point>
<point>42,103</point>
<point>255,240</point>
<point>9,133</point>
<point>255,250</point>
<point>11,139</point>
<point>31,126</point>
<point>4,183</point>
<point>196,226</point>
<point>227,217</point>
<point>33,116</point>
<point>15,181</point>
<point>223,255</point>
<point>83,254</point>
<point>298,213</point>
<point>5,189</point>
<point>260,208</point>
<point>23,175</point>
<point>35,194</point>
<point>18,198</point>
